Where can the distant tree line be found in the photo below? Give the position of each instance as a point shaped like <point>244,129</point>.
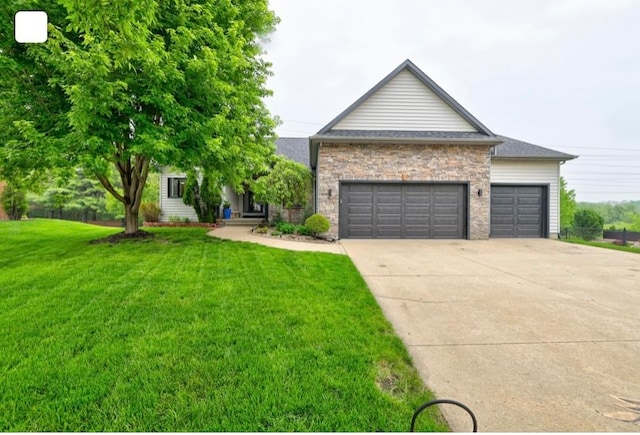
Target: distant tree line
<point>587,219</point>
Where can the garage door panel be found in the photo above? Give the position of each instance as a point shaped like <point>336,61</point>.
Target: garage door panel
<point>527,190</point>
<point>441,200</point>
<point>529,220</point>
<point>502,210</point>
<point>360,220</point>
<point>417,220</point>
<point>388,199</point>
<point>529,200</point>
<point>441,210</point>
<point>417,200</point>
<point>394,210</point>
<point>360,199</point>
<point>517,211</point>
<point>360,209</point>
<point>361,233</point>
<point>389,220</point>
<point>501,200</point>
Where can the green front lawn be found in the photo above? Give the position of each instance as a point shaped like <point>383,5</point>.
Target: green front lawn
<point>184,332</point>
<point>600,244</point>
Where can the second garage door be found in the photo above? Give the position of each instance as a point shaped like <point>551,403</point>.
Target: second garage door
<point>402,211</point>
<point>518,211</point>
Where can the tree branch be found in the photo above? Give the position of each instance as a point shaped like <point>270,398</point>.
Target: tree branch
<point>107,185</point>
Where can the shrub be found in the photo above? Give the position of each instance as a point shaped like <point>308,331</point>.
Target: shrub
<point>303,231</point>
<point>179,219</point>
<point>276,233</point>
<point>308,212</point>
<point>317,224</point>
<point>262,230</point>
<point>588,224</point>
<point>14,202</point>
<point>150,211</point>
<point>286,228</point>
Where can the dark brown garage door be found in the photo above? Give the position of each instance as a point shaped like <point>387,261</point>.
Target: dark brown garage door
<point>518,211</point>
<point>402,211</point>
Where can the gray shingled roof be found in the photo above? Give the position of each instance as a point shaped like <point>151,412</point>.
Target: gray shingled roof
<point>517,149</point>
<point>295,148</point>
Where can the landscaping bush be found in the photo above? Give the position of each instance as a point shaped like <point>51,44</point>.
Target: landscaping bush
<point>179,219</point>
<point>262,230</point>
<point>286,228</point>
<point>303,231</point>
<point>587,224</point>
<point>150,211</point>
<point>317,224</point>
<point>14,202</point>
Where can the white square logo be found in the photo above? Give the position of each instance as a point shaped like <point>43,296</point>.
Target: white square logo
<point>31,27</point>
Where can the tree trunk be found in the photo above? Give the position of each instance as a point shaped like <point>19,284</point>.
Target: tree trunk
<point>133,175</point>
<point>130,220</point>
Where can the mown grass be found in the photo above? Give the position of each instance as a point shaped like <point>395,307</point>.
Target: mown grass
<point>606,245</point>
<point>184,332</point>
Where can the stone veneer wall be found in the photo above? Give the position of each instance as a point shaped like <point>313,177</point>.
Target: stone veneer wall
<point>405,162</point>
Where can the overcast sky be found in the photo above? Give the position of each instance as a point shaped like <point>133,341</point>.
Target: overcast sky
<point>564,74</point>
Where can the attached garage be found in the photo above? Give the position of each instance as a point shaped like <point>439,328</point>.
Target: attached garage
<point>402,210</point>
<point>518,211</point>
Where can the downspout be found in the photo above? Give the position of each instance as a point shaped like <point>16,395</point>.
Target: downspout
<point>316,181</point>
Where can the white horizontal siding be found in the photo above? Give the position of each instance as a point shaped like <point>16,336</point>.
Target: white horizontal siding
<point>173,206</point>
<point>405,103</point>
<point>525,172</point>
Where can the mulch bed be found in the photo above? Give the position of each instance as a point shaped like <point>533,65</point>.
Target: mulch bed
<point>180,224</point>
<point>117,238</point>
<point>294,237</point>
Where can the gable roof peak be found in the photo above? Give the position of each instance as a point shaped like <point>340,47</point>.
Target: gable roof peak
<point>427,82</point>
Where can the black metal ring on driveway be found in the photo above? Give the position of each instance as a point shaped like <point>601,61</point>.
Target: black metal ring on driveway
<point>439,402</point>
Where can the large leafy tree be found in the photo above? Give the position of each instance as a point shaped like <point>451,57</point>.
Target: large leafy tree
<point>568,205</point>
<point>128,83</point>
<point>288,184</point>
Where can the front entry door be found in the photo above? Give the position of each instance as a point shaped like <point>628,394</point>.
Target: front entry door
<point>251,208</point>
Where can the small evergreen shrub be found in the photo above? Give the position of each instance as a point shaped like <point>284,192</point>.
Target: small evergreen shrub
<point>587,224</point>
<point>150,211</point>
<point>262,230</point>
<point>317,224</point>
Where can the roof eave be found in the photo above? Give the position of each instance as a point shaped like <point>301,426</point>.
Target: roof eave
<point>529,158</point>
<point>409,140</point>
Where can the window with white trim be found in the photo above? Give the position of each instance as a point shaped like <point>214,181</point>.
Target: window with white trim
<point>176,187</point>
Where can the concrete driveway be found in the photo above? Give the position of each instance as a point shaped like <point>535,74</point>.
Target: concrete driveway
<point>532,335</point>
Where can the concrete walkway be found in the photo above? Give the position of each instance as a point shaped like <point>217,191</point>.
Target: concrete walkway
<point>532,335</point>
<point>244,234</point>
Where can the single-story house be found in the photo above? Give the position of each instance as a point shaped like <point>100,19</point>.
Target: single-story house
<point>408,161</point>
